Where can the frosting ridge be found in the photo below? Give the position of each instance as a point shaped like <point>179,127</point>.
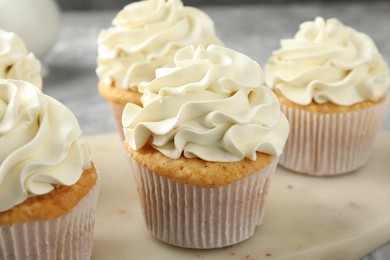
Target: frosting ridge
<point>40,146</point>
<point>145,35</point>
<point>327,61</point>
<point>16,62</point>
<point>220,112</point>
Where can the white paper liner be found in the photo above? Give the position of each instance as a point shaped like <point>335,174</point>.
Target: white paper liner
<point>332,143</point>
<point>69,236</point>
<point>194,217</point>
<point>117,111</point>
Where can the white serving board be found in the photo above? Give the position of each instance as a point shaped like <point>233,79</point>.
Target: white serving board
<point>344,217</point>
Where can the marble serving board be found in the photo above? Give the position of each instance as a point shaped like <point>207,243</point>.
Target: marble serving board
<point>344,217</point>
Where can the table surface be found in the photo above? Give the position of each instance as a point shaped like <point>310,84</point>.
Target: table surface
<point>251,29</point>
<point>305,217</point>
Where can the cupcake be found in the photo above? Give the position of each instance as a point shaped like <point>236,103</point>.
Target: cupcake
<point>144,36</point>
<point>16,62</point>
<point>204,146</point>
<point>48,185</point>
<point>332,84</point>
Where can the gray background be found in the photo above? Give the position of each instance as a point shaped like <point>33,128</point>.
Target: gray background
<point>117,4</point>
<point>254,30</point>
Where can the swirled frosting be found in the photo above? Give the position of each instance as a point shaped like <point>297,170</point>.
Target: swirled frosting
<point>327,61</point>
<point>39,140</point>
<point>16,62</point>
<point>211,105</point>
<point>144,36</point>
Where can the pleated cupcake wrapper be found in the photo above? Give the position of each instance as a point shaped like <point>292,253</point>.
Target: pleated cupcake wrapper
<point>195,217</point>
<point>330,144</point>
<point>117,111</point>
<point>69,236</point>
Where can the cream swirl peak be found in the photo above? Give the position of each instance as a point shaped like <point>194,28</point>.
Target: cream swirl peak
<point>215,69</point>
<point>39,140</point>
<point>327,61</point>
<point>211,105</point>
<point>16,62</point>
<point>144,36</point>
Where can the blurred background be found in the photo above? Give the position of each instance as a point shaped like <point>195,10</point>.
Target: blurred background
<point>116,4</point>
<point>253,27</point>
<point>63,35</point>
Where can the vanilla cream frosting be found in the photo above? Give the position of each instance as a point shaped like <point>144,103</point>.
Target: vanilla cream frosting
<point>144,36</point>
<point>39,140</point>
<point>327,61</point>
<point>211,105</point>
<point>16,62</point>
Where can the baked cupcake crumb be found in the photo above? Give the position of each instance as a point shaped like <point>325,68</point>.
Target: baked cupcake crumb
<point>195,171</point>
<point>51,205</point>
<point>118,95</point>
<point>327,107</point>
